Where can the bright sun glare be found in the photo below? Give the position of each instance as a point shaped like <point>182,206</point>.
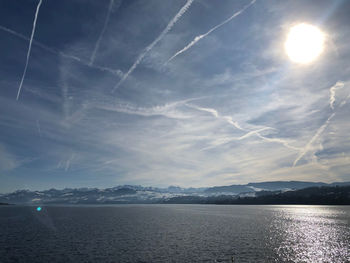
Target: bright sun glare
<point>304,43</point>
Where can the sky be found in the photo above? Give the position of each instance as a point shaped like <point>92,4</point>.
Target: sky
<point>158,93</point>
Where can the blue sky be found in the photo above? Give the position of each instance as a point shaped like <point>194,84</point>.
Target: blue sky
<point>101,103</point>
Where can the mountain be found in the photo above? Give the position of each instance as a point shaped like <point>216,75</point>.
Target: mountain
<point>129,194</point>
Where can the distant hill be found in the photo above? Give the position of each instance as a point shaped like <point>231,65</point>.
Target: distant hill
<point>131,194</point>
<point>294,185</point>
<point>322,195</point>
<point>236,189</point>
<point>268,186</point>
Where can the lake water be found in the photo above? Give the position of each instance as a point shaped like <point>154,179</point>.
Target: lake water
<point>175,233</point>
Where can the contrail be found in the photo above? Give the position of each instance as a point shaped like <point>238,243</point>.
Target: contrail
<point>320,130</point>
<point>29,48</point>
<point>197,38</point>
<point>97,45</point>
<point>277,140</point>
<point>150,46</point>
<point>215,113</point>
<point>249,133</point>
<point>60,53</point>
<point>313,139</point>
<point>256,132</point>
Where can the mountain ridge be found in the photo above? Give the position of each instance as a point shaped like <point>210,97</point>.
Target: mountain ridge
<point>123,194</point>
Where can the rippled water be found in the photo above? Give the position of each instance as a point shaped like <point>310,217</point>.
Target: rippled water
<point>175,233</point>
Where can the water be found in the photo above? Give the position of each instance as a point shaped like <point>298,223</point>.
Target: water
<point>175,233</point>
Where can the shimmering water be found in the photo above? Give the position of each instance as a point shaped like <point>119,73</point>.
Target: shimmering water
<point>175,233</point>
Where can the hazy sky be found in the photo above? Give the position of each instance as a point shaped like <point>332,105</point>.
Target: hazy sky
<point>155,92</point>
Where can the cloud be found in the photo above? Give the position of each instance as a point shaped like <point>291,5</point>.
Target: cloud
<point>332,90</point>
<point>68,162</point>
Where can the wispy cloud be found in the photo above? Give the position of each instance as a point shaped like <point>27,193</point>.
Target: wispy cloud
<point>97,44</point>
<point>222,141</point>
<point>332,90</point>
<point>215,113</point>
<point>278,140</point>
<point>248,133</point>
<point>29,48</point>
<point>150,46</point>
<point>68,162</point>
<point>8,161</point>
<point>168,110</point>
<point>198,38</point>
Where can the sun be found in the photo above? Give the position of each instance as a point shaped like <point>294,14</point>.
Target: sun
<point>304,43</point>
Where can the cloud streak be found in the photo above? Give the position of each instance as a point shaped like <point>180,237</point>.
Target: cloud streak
<point>309,145</point>
<point>29,49</point>
<point>198,38</point>
<point>38,127</point>
<point>249,133</point>
<point>150,46</point>
<point>168,110</point>
<point>332,90</point>
<point>97,45</point>
<point>68,162</point>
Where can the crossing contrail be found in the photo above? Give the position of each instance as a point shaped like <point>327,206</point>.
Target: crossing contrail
<point>309,146</point>
<point>61,53</point>
<point>150,46</point>
<point>197,38</point>
<point>248,133</point>
<point>97,45</point>
<point>29,48</point>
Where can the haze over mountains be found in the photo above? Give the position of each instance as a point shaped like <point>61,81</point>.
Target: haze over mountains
<point>139,194</point>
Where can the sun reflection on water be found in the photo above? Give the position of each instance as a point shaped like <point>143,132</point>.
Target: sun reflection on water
<point>312,234</point>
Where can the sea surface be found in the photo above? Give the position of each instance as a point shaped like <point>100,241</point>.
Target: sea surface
<point>175,233</point>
